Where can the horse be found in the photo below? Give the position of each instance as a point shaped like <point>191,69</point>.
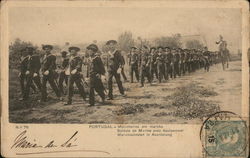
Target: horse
<point>223,53</point>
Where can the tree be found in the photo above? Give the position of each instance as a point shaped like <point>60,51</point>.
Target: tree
<point>173,41</point>
<point>125,41</point>
<point>194,44</point>
<point>15,51</point>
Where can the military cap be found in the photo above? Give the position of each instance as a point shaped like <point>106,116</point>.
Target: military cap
<point>64,52</point>
<point>47,46</point>
<point>111,41</point>
<point>152,48</point>
<point>74,48</point>
<point>167,47</point>
<point>93,47</point>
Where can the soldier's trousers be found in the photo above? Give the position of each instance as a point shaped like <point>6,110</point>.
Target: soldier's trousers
<point>29,84</point>
<point>62,78</point>
<point>176,69</point>
<point>182,68</point>
<point>206,65</point>
<point>117,76</point>
<point>145,73</point>
<point>51,79</point>
<point>153,72</point>
<point>189,66</point>
<point>95,85</point>
<point>161,72</point>
<point>76,78</point>
<point>123,74</point>
<point>168,70</point>
<point>134,69</point>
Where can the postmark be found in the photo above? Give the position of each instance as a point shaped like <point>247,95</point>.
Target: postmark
<point>224,134</point>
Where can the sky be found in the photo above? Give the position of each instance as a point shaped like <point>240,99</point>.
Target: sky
<point>50,25</point>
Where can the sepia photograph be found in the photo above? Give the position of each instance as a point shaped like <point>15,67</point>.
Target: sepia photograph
<point>123,65</point>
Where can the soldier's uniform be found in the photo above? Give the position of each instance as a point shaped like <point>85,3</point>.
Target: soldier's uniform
<point>96,70</point>
<point>176,64</point>
<point>33,68</point>
<point>63,77</point>
<point>187,61</point>
<point>133,64</point>
<point>114,63</point>
<point>153,65</point>
<point>145,66</point>
<point>192,62</point>
<point>206,56</point>
<point>169,63</point>
<point>22,74</point>
<point>75,69</point>
<point>160,60</point>
<point>182,63</point>
<point>48,72</point>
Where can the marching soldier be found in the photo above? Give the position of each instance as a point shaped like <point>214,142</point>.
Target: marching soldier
<point>206,56</point>
<point>177,62</point>
<point>133,64</point>
<point>187,60</point>
<point>145,65</point>
<point>160,60</point>
<point>169,62</point>
<point>96,74</point>
<point>153,65</point>
<point>115,64</point>
<point>22,74</point>
<point>75,69</point>
<point>182,62</point>
<point>63,77</point>
<point>32,72</point>
<point>192,54</point>
<point>48,72</point>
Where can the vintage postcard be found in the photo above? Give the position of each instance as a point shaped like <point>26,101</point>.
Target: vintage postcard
<point>124,78</point>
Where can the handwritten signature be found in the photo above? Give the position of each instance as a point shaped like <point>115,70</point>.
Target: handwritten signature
<point>21,141</point>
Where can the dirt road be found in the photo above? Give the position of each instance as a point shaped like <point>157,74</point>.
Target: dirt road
<point>159,103</point>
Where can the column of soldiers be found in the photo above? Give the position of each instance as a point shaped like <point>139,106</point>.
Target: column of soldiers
<point>36,71</point>
<point>163,63</point>
<point>159,63</point>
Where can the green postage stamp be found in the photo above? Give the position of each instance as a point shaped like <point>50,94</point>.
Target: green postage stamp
<point>225,135</point>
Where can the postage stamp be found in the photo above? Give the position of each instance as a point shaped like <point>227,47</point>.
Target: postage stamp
<point>224,135</point>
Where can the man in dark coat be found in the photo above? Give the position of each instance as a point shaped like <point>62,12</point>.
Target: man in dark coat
<point>133,64</point>
<point>145,61</point>
<point>161,64</point>
<point>153,64</point>
<point>115,64</point>
<point>48,72</point>
<point>32,72</point>
<point>63,77</point>
<point>168,59</point>
<point>182,62</point>
<point>75,69</point>
<point>22,74</point>
<point>96,74</point>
